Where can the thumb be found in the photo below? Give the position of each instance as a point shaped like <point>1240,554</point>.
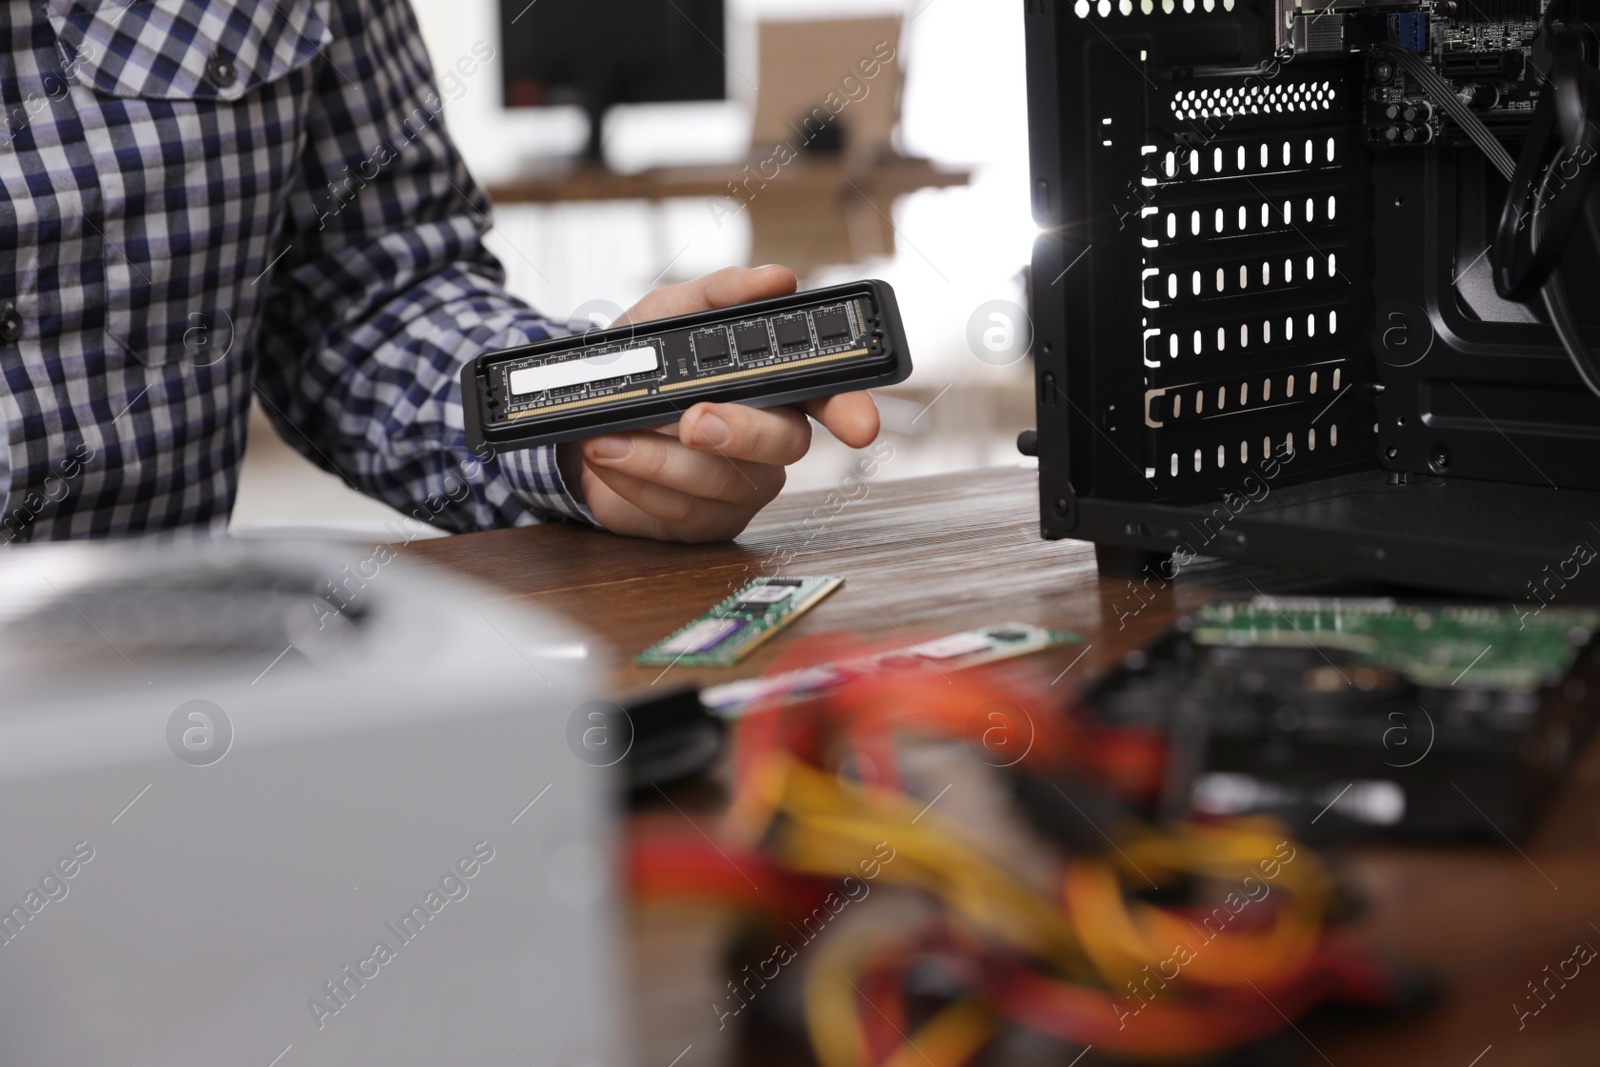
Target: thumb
<point>725,288</point>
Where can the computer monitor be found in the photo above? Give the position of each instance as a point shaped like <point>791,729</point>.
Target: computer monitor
<point>1266,316</point>
<point>596,54</point>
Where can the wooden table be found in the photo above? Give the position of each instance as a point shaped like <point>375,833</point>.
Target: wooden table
<point>936,555</point>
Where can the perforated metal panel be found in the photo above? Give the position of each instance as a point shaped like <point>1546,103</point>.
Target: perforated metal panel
<point>1219,277</point>
<point>1201,295</point>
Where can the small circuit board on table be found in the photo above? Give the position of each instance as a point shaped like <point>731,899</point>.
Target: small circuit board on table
<point>734,628</point>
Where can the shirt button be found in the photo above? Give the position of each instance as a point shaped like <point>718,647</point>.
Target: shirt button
<point>221,71</point>
<point>10,325</point>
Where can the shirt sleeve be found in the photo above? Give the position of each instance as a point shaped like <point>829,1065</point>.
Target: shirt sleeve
<point>383,290</point>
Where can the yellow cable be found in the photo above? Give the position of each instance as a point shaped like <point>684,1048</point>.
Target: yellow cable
<point>828,829</point>
<point>949,1039</point>
<point>1096,935</point>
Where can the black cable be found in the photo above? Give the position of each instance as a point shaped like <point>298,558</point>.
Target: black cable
<point>1520,268</point>
<point>1554,291</point>
<point>1441,91</point>
<point>1528,245</point>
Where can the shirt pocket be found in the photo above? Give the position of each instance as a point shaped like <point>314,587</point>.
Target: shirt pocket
<point>193,113</point>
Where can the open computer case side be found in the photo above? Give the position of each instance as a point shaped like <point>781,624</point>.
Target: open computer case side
<point>1229,300</point>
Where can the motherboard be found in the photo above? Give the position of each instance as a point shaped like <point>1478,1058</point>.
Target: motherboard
<point>1481,52</point>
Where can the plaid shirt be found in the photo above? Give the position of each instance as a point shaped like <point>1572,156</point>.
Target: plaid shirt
<point>201,197</point>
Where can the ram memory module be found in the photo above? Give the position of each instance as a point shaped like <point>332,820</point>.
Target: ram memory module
<point>734,628</point>
<point>953,652</point>
<point>763,354</point>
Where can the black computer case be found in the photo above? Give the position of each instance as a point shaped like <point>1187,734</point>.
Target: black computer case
<point>1260,334</point>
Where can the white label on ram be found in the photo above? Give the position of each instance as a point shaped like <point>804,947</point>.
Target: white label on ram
<point>530,380</point>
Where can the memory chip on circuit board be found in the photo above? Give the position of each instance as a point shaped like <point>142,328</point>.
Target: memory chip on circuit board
<point>735,627</point>
<point>793,334</point>
<point>833,327</point>
<point>752,341</point>
<point>711,348</point>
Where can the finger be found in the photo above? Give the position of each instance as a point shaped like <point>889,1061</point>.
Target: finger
<point>656,458</point>
<point>629,505</point>
<point>618,515</point>
<point>851,417</point>
<point>776,436</point>
<point>734,285</point>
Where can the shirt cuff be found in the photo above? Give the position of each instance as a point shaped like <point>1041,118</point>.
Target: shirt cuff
<point>533,473</point>
<point>535,476</point>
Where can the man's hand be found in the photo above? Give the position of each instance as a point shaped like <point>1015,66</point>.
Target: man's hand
<point>705,477</point>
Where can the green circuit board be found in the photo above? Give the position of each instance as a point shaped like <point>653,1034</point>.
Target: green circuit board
<point>1468,646</point>
<point>734,628</point>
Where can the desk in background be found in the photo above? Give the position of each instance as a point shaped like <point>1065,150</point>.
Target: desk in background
<point>936,555</point>
<point>813,213</point>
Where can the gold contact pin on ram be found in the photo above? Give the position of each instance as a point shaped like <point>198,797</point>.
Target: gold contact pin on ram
<point>755,372</point>
<point>671,386</point>
<point>573,405</point>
